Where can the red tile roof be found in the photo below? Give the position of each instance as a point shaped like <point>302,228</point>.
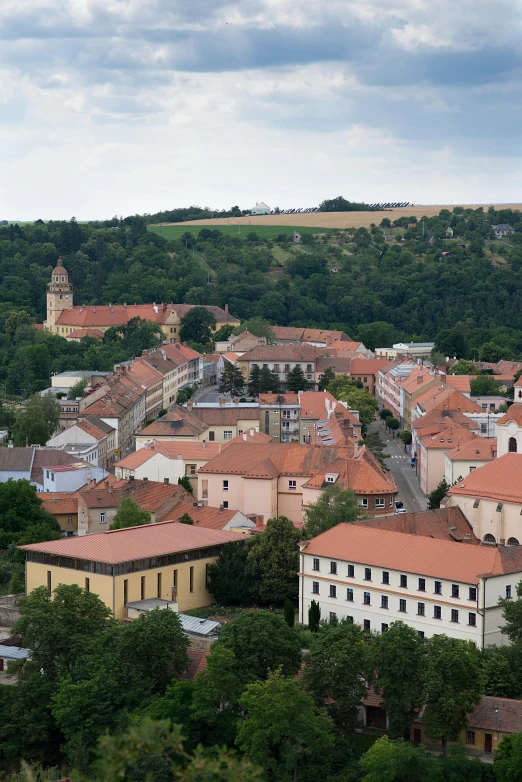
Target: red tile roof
<point>450,437</point>
<point>499,479</point>
<point>362,473</point>
<point>197,662</point>
<point>206,516</point>
<point>118,314</point>
<point>271,459</point>
<point>150,495</point>
<point>313,404</point>
<point>123,545</point>
<point>368,366</point>
<point>225,416</point>
<point>288,398</point>
<point>58,503</point>
<point>250,436</point>
<point>281,353</point>
<point>195,449</point>
<point>460,382</point>
<point>513,414</point>
<point>81,333</point>
<point>178,422</point>
<point>445,523</point>
<point>477,450</point>
<point>413,554</point>
<point>493,714</point>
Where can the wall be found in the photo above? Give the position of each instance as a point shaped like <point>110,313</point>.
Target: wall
<point>290,501</point>
<point>486,519</point>
<point>260,496</point>
<point>459,468</point>
<point>432,467</point>
<point>36,575</point>
<point>478,746</point>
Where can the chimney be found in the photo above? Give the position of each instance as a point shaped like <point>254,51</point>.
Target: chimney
<point>180,456</point>
<point>152,446</point>
<point>244,436</point>
<point>221,508</point>
<point>131,477</point>
<point>226,308</point>
<point>145,480</point>
<point>165,481</point>
<point>110,488</point>
<point>204,444</point>
<point>252,432</point>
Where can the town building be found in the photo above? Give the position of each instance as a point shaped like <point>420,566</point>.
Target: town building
<point>321,338</point>
<point>47,469</point>
<point>149,380</point>
<point>366,370</point>
<point>65,319</point>
<point>280,359</point>
<point>64,507</point>
<point>213,518</point>
<point>279,417</point>
<point>168,561</point>
<point>90,439</point>
<point>465,458</point>
<point>239,343</point>
<point>431,450</point>
<point>260,209</point>
<point>375,577</point>
<point>409,349</point>
<point>121,404</point>
<point>503,229</point>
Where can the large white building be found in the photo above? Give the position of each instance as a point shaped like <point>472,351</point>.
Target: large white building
<point>374,577</point>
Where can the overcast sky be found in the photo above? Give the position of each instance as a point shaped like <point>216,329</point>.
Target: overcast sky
<point>131,106</point>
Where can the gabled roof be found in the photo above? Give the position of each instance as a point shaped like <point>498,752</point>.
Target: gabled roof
<point>149,495</point>
<point>206,516</point>
<point>370,366</point>
<point>314,404</point>
<point>225,416</point>
<point>513,414</point>
<point>16,459</point>
<point>118,314</point>
<point>51,458</point>
<point>178,422</point>
<point>58,503</point>
<point>502,715</point>
<point>271,459</point>
<point>443,559</point>
<point>447,523</point>
<point>461,383</point>
<point>81,333</point>
<point>362,473</point>
<point>499,479</point>
<point>281,353</point>
<point>287,398</point>
<point>450,437</point>
<point>479,449</point>
<point>250,436</point>
<point>340,365</point>
<point>124,545</point>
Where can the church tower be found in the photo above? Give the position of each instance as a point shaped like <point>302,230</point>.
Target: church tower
<point>509,427</point>
<point>59,296</point>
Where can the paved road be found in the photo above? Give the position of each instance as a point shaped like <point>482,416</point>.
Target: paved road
<point>209,396</point>
<point>399,466</point>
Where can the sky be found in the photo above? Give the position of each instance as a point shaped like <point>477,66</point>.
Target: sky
<point>118,107</point>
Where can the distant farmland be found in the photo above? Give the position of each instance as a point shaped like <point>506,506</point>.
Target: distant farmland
<point>175,230</point>
<point>313,221</point>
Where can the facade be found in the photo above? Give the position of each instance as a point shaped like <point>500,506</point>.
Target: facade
<point>167,561</point>
<point>240,343</point>
<point>509,426</point>
<point>88,440</point>
<point>431,450</point>
<point>213,518</point>
<point>121,403</point>
<point>503,229</point>
<point>149,380</point>
<point>375,577</point>
<point>42,467</point>
<point>411,349</point>
<point>279,417</point>
<point>366,370</point>
<point>280,359</point>
<point>460,462</point>
<point>65,319</point>
<point>64,507</point>
<point>260,209</point>
<point>389,388</point>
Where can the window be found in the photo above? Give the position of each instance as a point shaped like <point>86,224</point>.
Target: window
<point>315,587</point>
<point>385,577</point>
<point>225,485</point>
<point>367,574</point>
<point>508,591</point>
<point>437,612</point>
<point>384,627</point>
<point>87,584</point>
<point>421,609</point>
<point>102,518</point>
<point>403,581</point>
<point>49,582</point>
<point>384,601</point>
<point>472,468</point>
<point>455,591</point>
<point>309,368</point>
<point>159,584</point>
<point>422,585</point>
<point>47,473</point>
<point>330,479</point>
<point>472,593</point>
<point>363,502</point>
<point>333,617</point>
<point>402,606</point>
<point>333,568</point>
<point>277,369</point>
<point>512,542</point>
<point>69,518</point>
<point>379,502</point>
<point>421,633</point>
<point>142,588</point>
<point>454,615</point>
<point>191,579</point>
<point>472,619</point>
<point>349,594</point>
<point>227,434</point>
<point>391,501</point>
<point>470,737</point>
<point>512,445</point>
<point>287,367</point>
<point>333,590</point>
<point>316,564</point>
<point>125,592</point>
<point>175,579</point>
<point>438,587</point>
<point>489,538</point>
<point>366,624</point>
<point>351,571</point>
<point>191,469</point>
<point>349,619</point>
<point>225,505</point>
<point>292,485</point>
<point>367,599</point>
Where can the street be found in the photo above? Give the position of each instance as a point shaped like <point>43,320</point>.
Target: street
<point>398,464</point>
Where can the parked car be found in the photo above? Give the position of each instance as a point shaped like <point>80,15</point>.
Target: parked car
<point>400,511</point>
<point>399,504</point>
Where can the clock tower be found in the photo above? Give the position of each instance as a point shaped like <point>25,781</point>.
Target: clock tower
<point>59,296</point>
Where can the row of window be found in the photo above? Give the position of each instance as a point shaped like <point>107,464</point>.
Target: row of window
<point>403,580</point>
<point>134,566</point>
<point>367,625</point>
<point>277,367</point>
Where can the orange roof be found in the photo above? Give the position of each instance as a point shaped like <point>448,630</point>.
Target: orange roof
<point>460,382</point>
<point>288,398</point>
<point>499,479</point>
<point>124,545</point>
<point>282,353</point>
<point>208,517</point>
<point>195,449</point>
<point>143,373</point>
<point>362,473</point>
<point>150,495</point>
<point>433,397</point>
<point>479,449</point>
<point>449,437</point>
<point>135,459</point>
<point>368,366</point>
<point>81,333</point>
<point>446,414</point>
<point>230,356</point>
<point>118,314</point>
<point>513,414</point>
<point>447,523</point>
<point>90,429</point>
<point>59,502</point>
<point>412,554</point>
<point>250,436</point>
<point>266,461</point>
<point>313,404</point>
<point>178,422</point>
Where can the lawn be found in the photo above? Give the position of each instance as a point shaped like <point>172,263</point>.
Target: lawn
<point>263,231</point>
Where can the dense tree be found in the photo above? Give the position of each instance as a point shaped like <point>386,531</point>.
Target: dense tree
<point>508,759</point>
<point>268,381</point>
<point>484,385</point>
<point>361,400</point>
<point>388,761</point>
<point>451,343</point>
<point>259,327</point>
<point>463,367</point>
<point>77,390</point>
<point>22,517</point>
<point>490,352</point>
<point>184,481</point>
<point>289,613</point>
<point>273,561</point>
<point>282,730</point>
<point>512,615</point>
<point>15,320</point>
<point>314,616</point>
<point>452,682</point>
<point>228,578</point>
<point>261,642</point>
<point>186,519</point>
<point>335,669</point>
<point>326,378</point>
<point>437,495</point>
<point>232,380</point>
<point>334,506</point>
<point>296,380</point>
<point>31,428</point>
<point>254,381</point>
<point>393,424</point>
<point>129,514</point>
<point>394,666</point>
<point>197,326</point>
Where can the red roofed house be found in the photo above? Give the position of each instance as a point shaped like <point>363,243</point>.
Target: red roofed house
<point>147,378</point>
<point>212,518</point>
<point>374,577</point>
<point>166,561</point>
<point>90,439</point>
<point>65,319</point>
<point>467,457</point>
<point>366,370</point>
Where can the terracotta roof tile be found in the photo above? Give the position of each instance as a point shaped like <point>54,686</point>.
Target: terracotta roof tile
<point>410,553</point>
<point>445,523</point>
<point>460,382</point>
<point>283,458</point>
<point>282,353</point>
<point>288,398</point>
<point>368,366</point>
<point>450,437</point>
<point>513,414</point>
<point>59,502</point>
<point>124,545</point>
<point>225,416</point>
<point>499,479</point>
<point>497,714</point>
<point>81,333</point>
<point>150,495</point>
<point>476,450</point>
<point>197,662</point>
<point>206,516</point>
<point>362,473</point>
<point>178,422</point>
<point>118,314</point>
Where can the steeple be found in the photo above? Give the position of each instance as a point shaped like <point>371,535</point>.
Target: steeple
<point>59,296</point>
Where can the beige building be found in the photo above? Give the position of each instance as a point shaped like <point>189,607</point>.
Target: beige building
<point>219,423</point>
<point>431,453</point>
<point>167,561</point>
<point>461,461</point>
<point>65,319</point>
<point>280,359</point>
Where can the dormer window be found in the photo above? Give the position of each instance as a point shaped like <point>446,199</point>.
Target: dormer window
<point>331,477</point>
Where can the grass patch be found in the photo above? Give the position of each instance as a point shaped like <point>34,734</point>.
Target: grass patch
<point>263,231</point>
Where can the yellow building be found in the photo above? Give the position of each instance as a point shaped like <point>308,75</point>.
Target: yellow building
<point>166,560</point>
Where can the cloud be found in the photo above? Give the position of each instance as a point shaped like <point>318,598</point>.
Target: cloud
<point>400,84</point>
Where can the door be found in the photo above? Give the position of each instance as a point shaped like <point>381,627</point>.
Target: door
<point>488,742</point>
<point>417,735</point>
<point>1,664</point>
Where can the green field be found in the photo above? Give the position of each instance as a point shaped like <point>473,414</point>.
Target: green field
<point>263,231</point>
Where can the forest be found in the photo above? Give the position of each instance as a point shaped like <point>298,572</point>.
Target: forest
<point>401,281</point>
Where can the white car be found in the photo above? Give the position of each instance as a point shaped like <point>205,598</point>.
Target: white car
<point>400,511</point>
